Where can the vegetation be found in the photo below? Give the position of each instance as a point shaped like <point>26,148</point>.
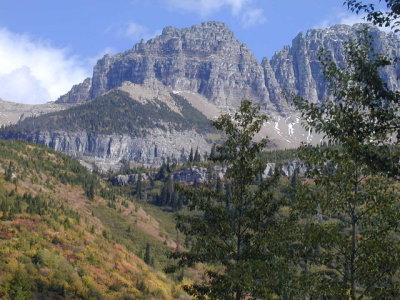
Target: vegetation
<point>388,17</point>
<point>232,233</point>
<point>114,113</point>
<point>61,240</point>
<point>350,216</point>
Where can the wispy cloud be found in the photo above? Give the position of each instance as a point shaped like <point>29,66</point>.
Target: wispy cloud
<point>253,17</point>
<point>132,31</point>
<point>32,71</point>
<point>245,10</point>
<point>207,7</point>
<point>91,61</point>
<point>346,18</point>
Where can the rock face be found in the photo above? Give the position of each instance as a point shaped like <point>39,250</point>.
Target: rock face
<point>205,59</point>
<point>107,151</point>
<point>78,93</point>
<point>297,68</point>
<point>286,169</point>
<point>208,60</point>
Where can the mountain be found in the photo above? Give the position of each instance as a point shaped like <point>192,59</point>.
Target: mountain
<point>156,100</point>
<point>205,59</point>
<point>297,68</point>
<point>67,234</point>
<point>129,123</point>
<point>210,61</point>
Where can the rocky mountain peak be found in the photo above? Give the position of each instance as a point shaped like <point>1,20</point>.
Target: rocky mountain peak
<point>208,60</point>
<point>205,59</point>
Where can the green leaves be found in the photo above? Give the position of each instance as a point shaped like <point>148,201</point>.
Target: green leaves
<point>233,233</point>
<point>349,212</point>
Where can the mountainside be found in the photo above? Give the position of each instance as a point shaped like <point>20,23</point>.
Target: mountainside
<point>157,99</point>
<point>66,234</point>
<point>130,123</point>
<point>208,60</point>
<point>297,68</point>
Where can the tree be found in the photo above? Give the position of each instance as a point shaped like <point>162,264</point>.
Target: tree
<point>197,156</point>
<point>8,173</point>
<point>386,18</point>
<point>364,113</point>
<point>147,254</point>
<point>139,187</point>
<point>350,216</point>
<point>191,157</point>
<point>235,235</point>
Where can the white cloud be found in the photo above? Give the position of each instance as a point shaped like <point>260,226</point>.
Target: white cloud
<point>132,31</point>
<point>32,71</point>
<point>91,61</point>
<point>207,7</point>
<point>243,9</point>
<point>346,18</point>
<point>253,17</point>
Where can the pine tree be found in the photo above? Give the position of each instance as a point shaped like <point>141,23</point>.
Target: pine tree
<point>147,254</point>
<point>139,187</point>
<point>235,235</point>
<point>191,157</point>
<point>8,174</point>
<point>197,156</point>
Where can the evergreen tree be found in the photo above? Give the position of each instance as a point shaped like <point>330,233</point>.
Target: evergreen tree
<point>197,156</point>
<point>350,217</point>
<point>147,254</point>
<point>236,237</point>
<point>9,172</point>
<point>191,157</point>
<point>139,187</point>
<point>90,190</point>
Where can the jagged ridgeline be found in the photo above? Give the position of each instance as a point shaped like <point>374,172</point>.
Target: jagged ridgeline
<point>65,233</point>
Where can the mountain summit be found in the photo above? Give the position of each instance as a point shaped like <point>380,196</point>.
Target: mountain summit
<point>205,59</point>
<point>156,100</point>
<point>209,60</point>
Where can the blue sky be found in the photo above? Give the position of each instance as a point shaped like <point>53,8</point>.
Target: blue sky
<point>46,46</point>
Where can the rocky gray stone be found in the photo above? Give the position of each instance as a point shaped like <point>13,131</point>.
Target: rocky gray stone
<point>286,169</point>
<point>109,150</point>
<point>205,59</point>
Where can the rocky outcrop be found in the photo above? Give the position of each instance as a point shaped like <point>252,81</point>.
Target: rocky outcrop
<point>11,112</point>
<point>286,169</point>
<point>121,180</point>
<point>78,94</point>
<point>297,68</point>
<point>111,150</point>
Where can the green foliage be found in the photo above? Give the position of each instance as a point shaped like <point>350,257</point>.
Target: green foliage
<point>113,113</point>
<point>350,217</point>
<point>9,172</point>
<point>232,237</point>
<point>363,115</point>
<point>384,18</point>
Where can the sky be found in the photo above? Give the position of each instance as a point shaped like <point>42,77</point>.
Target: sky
<point>46,46</point>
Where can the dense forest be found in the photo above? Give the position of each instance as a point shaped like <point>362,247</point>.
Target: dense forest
<point>115,113</point>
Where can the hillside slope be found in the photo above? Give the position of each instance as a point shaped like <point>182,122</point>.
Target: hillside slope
<point>64,234</point>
